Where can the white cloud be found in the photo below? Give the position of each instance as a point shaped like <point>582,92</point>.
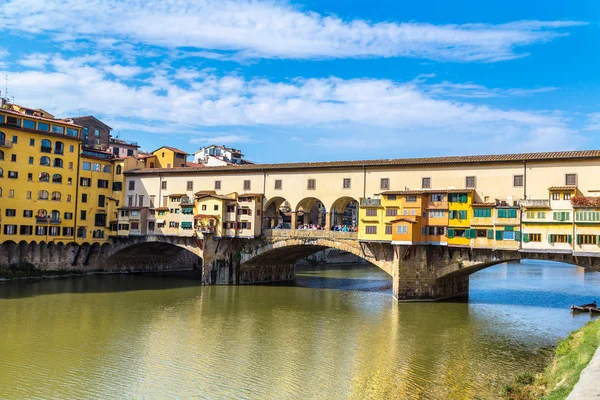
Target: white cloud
<point>268,29</point>
<point>593,122</point>
<point>123,71</point>
<point>354,113</point>
<point>34,60</point>
<point>473,90</point>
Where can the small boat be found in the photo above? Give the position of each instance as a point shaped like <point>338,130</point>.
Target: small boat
<point>585,307</point>
<point>593,310</point>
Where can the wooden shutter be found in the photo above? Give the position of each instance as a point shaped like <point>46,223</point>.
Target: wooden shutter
<point>569,239</point>
<point>526,238</point>
<point>249,225</point>
<point>518,236</point>
<point>499,235</point>
<point>462,214</point>
<point>490,234</point>
<point>473,233</point>
<point>550,237</point>
<point>468,234</point>
<point>450,233</point>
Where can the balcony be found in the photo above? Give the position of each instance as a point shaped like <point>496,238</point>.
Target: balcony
<point>370,202</point>
<point>55,221</point>
<point>6,143</point>
<point>44,149</point>
<point>534,203</point>
<point>41,220</point>
<point>438,205</point>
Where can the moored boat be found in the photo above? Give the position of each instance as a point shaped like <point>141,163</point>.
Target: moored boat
<point>586,307</point>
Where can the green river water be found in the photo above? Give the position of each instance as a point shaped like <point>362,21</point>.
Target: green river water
<point>336,333</point>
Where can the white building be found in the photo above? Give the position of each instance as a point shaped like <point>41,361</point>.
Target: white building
<point>217,156</point>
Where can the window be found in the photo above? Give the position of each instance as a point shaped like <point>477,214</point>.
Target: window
<point>101,200</point>
<point>106,169</point>
<point>587,216</point>
<point>28,213</point>
<point>41,230</point>
<point>426,183</point>
<point>481,233</point>
<point>163,185</point>
<point>508,235</point>
<point>246,185</point>
<point>71,148</point>
<point>462,214</point>
<point>470,182</point>
<point>26,230</point>
<point>190,185</point>
<point>132,185</point>
<point>561,216</point>
<point>68,215</point>
<point>311,184</point>
<point>559,238</point>
<point>58,163</point>
<point>587,239</point>
<point>437,197</point>
<point>102,183</point>
<point>100,219</point>
<point>117,186</point>
<point>436,214</point>
<point>43,195</point>
<point>507,213</point>
<point>57,178</point>
<point>384,183</point>
<point>81,232</point>
<point>346,184</point>
<point>11,193</point>
<point>31,160</point>
<point>29,124</point>
<point>119,169</point>
<point>571,179</point>
<point>1,173</point>
<point>86,166</point>
<point>13,157</point>
<point>67,231</point>
<point>129,201</point>
<point>58,129</point>
<point>371,212</point>
<point>216,207</point>
<point>278,185</point>
<point>84,197</point>
<point>402,229</point>
<point>45,160</point>
<point>390,212</point>
<point>13,174</point>
<point>541,214</point>
<point>59,148</point>
<point>44,177</point>
<point>217,185</point>
<point>42,126</point>
<point>56,196</point>
<point>567,196</point>
<point>11,212</point>
<point>141,200</point>
<point>13,121</point>
<point>96,167</point>
<point>72,132</point>
<point>371,229</point>
<point>436,231</point>
<point>85,182</point>
<point>15,139</point>
<point>518,180</point>
<point>411,199</point>
<point>10,229</point>
<point>532,237</point>
<point>555,196</point>
<point>83,215</point>
<point>97,132</point>
<point>482,212</point>
<point>391,197</point>
<point>46,146</point>
<point>458,197</point>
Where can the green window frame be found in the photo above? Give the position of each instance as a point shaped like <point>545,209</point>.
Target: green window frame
<point>450,233</point>
<point>482,212</point>
<point>462,214</point>
<point>490,234</point>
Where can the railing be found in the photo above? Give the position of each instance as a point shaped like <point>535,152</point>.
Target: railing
<point>41,220</point>
<point>55,220</point>
<point>6,143</point>
<point>370,202</point>
<point>44,149</point>
<point>309,233</point>
<point>535,203</point>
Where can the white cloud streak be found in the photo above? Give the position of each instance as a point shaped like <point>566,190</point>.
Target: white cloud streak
<point>266,29</point>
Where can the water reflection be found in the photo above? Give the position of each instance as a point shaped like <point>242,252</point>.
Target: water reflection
<point>165,337</point>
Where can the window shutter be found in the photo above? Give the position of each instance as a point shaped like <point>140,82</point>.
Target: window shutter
<point>509,228</point>
<point>499,235</point>
<point>518,236</point>
<point>598,240</point>
<point>249,212</point>
<point>462,214</point>
<point>550,237</point>
<point>555,216</point>
<point>490,234</point>
<point>450,233</point>
<point>249,225</point>
<point>473,233</point>
<point>501,213</point>
<point>468,234</point>
<point>569,239</point>
<point>579,239</point>
<point>526,238</point>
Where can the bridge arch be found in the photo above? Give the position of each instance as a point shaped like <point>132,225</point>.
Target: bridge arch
<point>277,213</point>
<point>344,212</point>
<point>311,211</point>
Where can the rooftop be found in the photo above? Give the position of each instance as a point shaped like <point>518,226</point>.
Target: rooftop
<point>36,117</point>
<point>173,149</point>
<point>408,162</point>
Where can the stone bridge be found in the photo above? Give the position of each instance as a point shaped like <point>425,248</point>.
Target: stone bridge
<point>419,272</point>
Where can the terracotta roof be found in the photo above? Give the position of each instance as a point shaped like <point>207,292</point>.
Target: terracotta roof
<point>173,149</point>
<point>563,188</point>
<point>482,204</point>
<point>216,196</point>
<point>500,158</point>
<point>191,164</point>
<point>177,195</point>
<point>250,195</point>
<point>402,219</point>
<point>201,192</point>
<point>426,191</point>
<point>436,208</point>
<point>162,208</point>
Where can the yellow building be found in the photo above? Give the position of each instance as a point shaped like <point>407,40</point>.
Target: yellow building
<point>587,225</point>
<point>167,157</point>
<point>482,225</point>
<point>38,175</point>
<point>459,217</point>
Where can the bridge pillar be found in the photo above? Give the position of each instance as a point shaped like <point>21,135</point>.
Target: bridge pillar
<point>328,221</point>
<point>415,274</point>
<point>293,221</point>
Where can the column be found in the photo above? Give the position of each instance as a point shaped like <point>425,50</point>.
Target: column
<point>293,221</point>
<point>327,221</point>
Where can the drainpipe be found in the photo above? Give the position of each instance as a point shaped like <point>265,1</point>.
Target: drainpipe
<point>76,216</point>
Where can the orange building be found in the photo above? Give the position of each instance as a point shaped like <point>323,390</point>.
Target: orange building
<point>407,231</point>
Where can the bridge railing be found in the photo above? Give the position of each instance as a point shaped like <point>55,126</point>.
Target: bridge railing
<point>286,233</point>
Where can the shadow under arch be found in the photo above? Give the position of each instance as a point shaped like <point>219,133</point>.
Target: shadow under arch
<point>150,255</point>
<point>311,211</point>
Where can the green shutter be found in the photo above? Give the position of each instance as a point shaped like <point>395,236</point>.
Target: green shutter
<point>462,198</point>
<point>509,228</point>
<point>462,214</point>
<point>473,233</point>
<point>598,240</point>
<point>452,214</point>
<point>468,233</point>
<point>569,239</point>
<point>579,238</point>
<point>490,234</point>
<point>488,212</point>
<point>502,213</point>
<point>450,233</point>
<point>499,235</point>
<point>518,236</point>
<point>555,216</point>
<point>526,238</point>
<point>550,239</point>
<point>512,213</point>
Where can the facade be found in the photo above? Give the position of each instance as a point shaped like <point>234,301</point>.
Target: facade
<point>95,133</point>
<point>123,148</point>
<point>214,155</point>
<point>167,157</point>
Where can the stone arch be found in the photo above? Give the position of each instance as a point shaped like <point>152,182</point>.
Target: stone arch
<point>311,211</point>
<point>277,213</point>
<point>344,212</point>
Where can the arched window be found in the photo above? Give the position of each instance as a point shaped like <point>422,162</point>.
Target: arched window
<point>46,146</point>
<point>59,148</point>
<point>43,195</point>
<point>44,177</point>
<point>41,213</point>
<point>56,196</point>
<point>55,216</point>
<point>57,178</point>
<point>81,232</point>
<point>58,162</point>
<point>118,170</point>
<point>1,173</point>
<point>1,155</point>
<point>45,160</point>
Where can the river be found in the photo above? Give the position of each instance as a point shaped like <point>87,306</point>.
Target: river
<point>335,334</point>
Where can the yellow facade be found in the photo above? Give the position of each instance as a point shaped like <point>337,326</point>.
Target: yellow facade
<point>167,157</point>
<point>38,176</point>
<point>459,217</point>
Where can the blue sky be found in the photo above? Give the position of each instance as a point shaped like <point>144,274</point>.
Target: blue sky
<point>315,80</point>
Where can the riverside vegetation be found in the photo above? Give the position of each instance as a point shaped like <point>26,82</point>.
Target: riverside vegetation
<point>24,270</point>
<point>571,356</point>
